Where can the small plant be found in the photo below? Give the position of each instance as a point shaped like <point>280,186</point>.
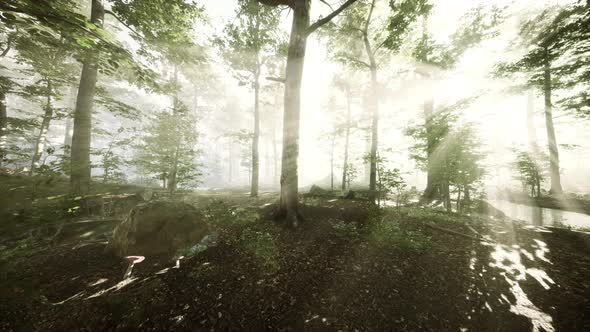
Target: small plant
<point>262,246</point>
<point>387,233</point>
<point>345,229</point>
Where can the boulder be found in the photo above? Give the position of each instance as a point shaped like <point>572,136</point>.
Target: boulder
<point>318,191</point>
<point>158,227</point>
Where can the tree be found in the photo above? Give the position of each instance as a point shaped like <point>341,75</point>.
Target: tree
<point>531,172</point>
<point>301,29</point>
<point>250,42</point>
<point>549,37</point>
<point>355,41</point>
<point>160,150</point>
<point>456,160</point>
<point>47,61</point>
<point>476,25</point>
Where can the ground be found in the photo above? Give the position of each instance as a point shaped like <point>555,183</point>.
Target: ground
<point>347,267</point>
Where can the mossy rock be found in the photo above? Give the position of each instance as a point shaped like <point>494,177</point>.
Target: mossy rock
<point>158,227</point>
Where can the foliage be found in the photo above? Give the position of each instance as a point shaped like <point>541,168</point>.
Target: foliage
<point>531,169</point>
<point>390,182</point>
<point>345,229</point>
<point>169,136</point>
<point>387,233</point>
<point>451,151</point>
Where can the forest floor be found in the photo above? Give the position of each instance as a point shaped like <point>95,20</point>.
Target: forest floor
<point>347,267</point>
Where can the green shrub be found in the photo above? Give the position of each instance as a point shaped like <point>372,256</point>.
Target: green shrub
<point>345,229</point>
<point>387,233</point>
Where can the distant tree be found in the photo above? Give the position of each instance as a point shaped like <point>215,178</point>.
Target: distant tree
<point>250,41</point>
<point>531,172</point>
<point>355,39</point>
<point>159,151</point>
<point>556,62</point>
<point>456,160</point>
<point>478,24</point>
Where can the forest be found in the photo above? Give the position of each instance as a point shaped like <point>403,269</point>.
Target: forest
<point>294,165</point>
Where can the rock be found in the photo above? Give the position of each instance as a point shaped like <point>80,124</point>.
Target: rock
<point>318,191</point>
<point>158,227</point>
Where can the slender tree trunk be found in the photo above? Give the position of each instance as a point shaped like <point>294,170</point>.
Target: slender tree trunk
<point>256,136</point>
<point>41,140</point>
<point>432,190</point>
<point>81,168</point>
<point>553,150</point>
<point>3,126</point>
<point>374,107</point>
<point>294,74</point>
<point>173,182</point>
<point>346,140</point>
<point>229,161</point>
<point>69,127</point>
<point>332,162</point>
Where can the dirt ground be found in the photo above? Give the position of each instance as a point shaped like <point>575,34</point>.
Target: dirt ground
<point>345,268</point>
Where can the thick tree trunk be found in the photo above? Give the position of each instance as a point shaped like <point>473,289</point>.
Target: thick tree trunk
<point>553,150</point>
<point>346,140</point>
<point>3,127</point>
<point>41,140</point>
<point>81,168</point>
<point>295,60</point>
<point>256,136</point>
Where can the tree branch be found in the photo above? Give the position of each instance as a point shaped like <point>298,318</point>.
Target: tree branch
<point>121,21</point>
<point>328,18</point>
<point>276,79</point>
<point>275,3</point>
<point>7,49</point>
<point>327,4</point>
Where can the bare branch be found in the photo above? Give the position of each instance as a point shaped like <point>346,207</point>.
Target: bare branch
<point>328,18</point>
<point>327,4</point>
<point>353,59</point>
<point>276,79</point>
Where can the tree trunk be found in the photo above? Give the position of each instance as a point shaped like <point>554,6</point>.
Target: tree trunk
<point>41,140</point>
<point>346,140</point>
<point>229,161</point>
<point>295,60</point>
<point>374,107</point>
<point>432,190</point>
<point>332,162</point>
<point>80,163</point>
<point>3,126</point>
<point>173,182</point>
<point>553,150</point>
<point>68,133</point>
<point>256,137</point>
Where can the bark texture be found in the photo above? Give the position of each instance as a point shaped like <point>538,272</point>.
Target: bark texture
<point>553,150</point>
<point>80,161</point>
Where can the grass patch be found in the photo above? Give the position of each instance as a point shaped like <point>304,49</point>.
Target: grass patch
<point>262,246</point>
